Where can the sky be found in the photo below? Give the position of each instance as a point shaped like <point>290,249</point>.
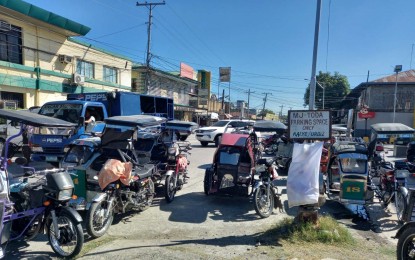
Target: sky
<point>268,44</point>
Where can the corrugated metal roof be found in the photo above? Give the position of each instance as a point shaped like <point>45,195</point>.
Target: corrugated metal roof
<point>404,76</point>
<point>45,16</point>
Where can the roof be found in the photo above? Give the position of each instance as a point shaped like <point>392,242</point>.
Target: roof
<point>181,125</point>
<point>269,126</point>
<point>171,75</point>
<point>349,147</point>
<point>234,139</point>
<point>391,127</point>
<point>136,120</point>
<point>404,76</point>
<point>29,118</point>
<point>45,16</point>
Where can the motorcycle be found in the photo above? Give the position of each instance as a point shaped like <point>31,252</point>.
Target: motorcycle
<point>112,176</point>
<point>266,196</point>
<point>177,158</point>
<point>29,208</point>
<point>270,144</point>
<point>406,234</point>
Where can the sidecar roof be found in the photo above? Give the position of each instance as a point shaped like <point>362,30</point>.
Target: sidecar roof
<point>33,119</point>
<point>238,140</point>
<point>181,125</point>
<point>141,121</point>
<point>269,126</point>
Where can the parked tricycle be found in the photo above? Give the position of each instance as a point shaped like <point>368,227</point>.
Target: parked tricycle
<point>235,171</point>
<point>347,171</point>
<point>111,176</point>
<point>39,204</point>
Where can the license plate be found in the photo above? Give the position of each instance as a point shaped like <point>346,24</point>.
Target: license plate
<point>51,158</point>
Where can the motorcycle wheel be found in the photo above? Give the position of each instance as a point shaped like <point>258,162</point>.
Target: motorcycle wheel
<point>170,187</point>
<point>400,204</point>
<point>150,191</point>
<point>97,224</point>
<point>406,244</point>
<point>71,236</point>
<point>263,204</point>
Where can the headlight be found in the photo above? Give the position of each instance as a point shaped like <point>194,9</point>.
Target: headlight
<point>36,149</point>
<point>208,131</point>
<point>171,158</point>
<point>66,149</point>
<point>65,194</point>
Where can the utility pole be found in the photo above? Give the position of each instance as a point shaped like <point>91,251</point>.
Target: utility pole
<point>249,94</point>
<point>150,7</point>
<point>265,101</point>
<point>282,106</point>
<point>311,100</point>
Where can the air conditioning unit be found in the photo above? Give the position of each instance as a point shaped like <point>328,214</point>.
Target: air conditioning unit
<point>65,58</point>
<point>5,26</point>
<point>78,79</point>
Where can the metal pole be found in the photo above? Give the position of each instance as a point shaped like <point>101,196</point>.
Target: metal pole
<point>324,94</point>
<point>313,70</point>
<point>229,108</point>
<point>249,93</point>
<point>394,96</point>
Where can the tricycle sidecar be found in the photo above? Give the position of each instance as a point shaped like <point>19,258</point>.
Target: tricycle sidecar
<point>347,171</point>
<point>231,171</point>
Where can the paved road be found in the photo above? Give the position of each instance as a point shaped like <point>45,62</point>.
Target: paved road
<point>193,226</point>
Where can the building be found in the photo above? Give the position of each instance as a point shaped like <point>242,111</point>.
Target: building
<point>40,60</point>
<point>183,90</point>
<point>376,100</point>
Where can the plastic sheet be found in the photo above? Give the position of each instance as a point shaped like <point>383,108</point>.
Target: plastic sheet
<point>303,174</point>
<point>114,170</point>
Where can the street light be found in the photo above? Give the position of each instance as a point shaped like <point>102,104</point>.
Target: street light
<point>398,68</point>
<point>324,90</point>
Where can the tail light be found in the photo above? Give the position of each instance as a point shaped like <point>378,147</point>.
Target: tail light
<point>379,148</point>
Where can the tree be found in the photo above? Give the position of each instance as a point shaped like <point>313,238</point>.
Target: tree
<point>336,88</point>
<point>264,113</point>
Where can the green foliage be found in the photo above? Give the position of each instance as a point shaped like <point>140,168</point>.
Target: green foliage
<point>265,112</point>
<point>336,88</point>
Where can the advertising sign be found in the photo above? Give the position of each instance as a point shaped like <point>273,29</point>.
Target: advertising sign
<point>309,124</point>
<point>225,74</point>
<point>186,71</point>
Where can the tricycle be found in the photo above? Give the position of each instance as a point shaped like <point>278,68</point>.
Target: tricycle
<point>38,204</point>
<point>235,171</point>
<point>112,177</point>
<point>347,171</point>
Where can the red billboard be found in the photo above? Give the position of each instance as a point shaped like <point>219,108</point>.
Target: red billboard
<point>186,71</point>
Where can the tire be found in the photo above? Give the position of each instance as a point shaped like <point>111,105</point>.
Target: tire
<point>263,205</point>
<point>207,182</point>
<point>151,191</point>
<point>170,188</point>
<point>96,213</point>
<point>70,229</point>
<point>204,144</point>
<point>218,140</point>
<point>268,150</point>
<point>406,243</point>
<point>400,204</point>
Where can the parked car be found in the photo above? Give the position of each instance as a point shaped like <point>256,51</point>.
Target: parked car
<point>213,134</point>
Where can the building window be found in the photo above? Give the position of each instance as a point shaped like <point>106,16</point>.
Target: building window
<point>85,68</point>
<point>10,43</point>
<point>110,74</point>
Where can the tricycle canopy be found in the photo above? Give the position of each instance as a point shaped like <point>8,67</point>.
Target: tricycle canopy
<point>140,121</point>
<point>32,119</point>
<point>269,126</point>
<point>348,147</point>
<point>382,132</point>
<point>181,125</point>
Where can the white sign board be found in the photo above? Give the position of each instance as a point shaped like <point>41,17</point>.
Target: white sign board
<point>309,124</point>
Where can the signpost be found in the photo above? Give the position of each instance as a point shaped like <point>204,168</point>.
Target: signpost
<point>309,124</point>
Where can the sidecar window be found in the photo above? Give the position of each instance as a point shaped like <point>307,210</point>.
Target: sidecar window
<point>353,165</point>
<point>78,153</point>
<point>229,155</point>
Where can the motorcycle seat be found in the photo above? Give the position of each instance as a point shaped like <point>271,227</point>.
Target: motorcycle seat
<point>143,171</point>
